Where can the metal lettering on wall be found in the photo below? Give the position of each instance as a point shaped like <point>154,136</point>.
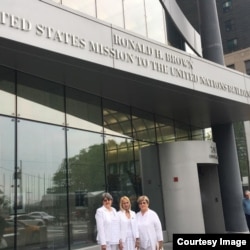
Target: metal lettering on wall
<point>126,50</point>
<point>213,152</point>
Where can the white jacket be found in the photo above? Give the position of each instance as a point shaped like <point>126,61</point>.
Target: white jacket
<point>108,227</point>
<point>124,226</point>
<point>150,229</point>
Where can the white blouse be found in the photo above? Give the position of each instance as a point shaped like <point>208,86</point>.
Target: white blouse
<point>150,229</point>
<point>108,227</point>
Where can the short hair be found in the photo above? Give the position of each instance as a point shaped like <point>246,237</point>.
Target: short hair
<point>143,198</point>
<point>122,199</point>
<point>107,196</point>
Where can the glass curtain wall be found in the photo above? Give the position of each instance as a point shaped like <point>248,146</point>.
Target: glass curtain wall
<point>109,14</point>
<point>42,176</point>
<point>7,169</point>
<point>85,6</point>
<point>144,17</point>
<point>86,172</point>
<point>60,149</point>
<point>7,147</point>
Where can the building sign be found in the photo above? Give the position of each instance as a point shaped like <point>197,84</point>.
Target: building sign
<point>91,40</point>
<point>213,152</point>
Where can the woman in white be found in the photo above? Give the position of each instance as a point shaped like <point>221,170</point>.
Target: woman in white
<point>107,223</point>
<point>128,225</point>
<point>149,225</point>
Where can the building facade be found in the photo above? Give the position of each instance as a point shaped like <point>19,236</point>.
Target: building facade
<point>235,41</point>
<point>96,99</point>
<point>236,45</point>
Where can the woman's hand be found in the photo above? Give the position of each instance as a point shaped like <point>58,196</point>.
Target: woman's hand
<point>120,246</point>
<point>160,244</point>
<point>103,247</point>
<point>137,243</point>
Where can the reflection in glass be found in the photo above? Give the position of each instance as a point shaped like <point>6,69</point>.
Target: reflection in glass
<point>63,170</point>
<point>57,1</point>
<point>42,181</point>
<point>155,21</point>
<point>86,182</point>
<point>83,111</point>
<point>134,13</point>
<point>121,172</point>
<point>198,134</point>
<point>39,99</point>
<point>145,17</point>
<point>7,92</point>
<point>208,134</point>
<point>116,119</point>
<point>7,166</point>
<point>182,132</point>
<point>143,126</point>
<point>188,49</point>
<point>164,129</point>
<point>110,14</point>
<point>85,6</point>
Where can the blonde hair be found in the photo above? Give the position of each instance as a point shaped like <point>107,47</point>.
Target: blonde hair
<point>122,199</point>
<point>143,198</point>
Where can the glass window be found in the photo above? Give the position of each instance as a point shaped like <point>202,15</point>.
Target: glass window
<point>198,134</point>
<point>232,44</point>
<point>116,119</point>
<point>228,25</point>
<point>7,92</point>
<point>231,66</point>
<point>155,21</point>
<point>83,111</point>
<point>40,100</point>
<point>188,49</point>
<point>110,14</point>
<point>227,5</point>
<point>182,132</point>
<point>57,1</point>
<point>134,13</point>
<point>86,6</point>
<point>143,126</point>
<point>122,176</point>
<point>241,143</point>
<point>208,134</point>
<point>41,182</point>
<point>7,167</point>
<point>247,66</point>
<point>144,17</point>
<point>86,182</point>
<point>164,130</point>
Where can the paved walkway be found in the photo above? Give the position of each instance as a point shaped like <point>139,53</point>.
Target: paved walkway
<point>168,246</point>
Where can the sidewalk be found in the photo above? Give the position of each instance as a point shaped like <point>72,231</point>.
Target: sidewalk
<point>168,246</point>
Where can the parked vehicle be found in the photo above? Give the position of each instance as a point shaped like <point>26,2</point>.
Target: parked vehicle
<point>48,219</point>
<point>27,219</point>
<point>26,234</point>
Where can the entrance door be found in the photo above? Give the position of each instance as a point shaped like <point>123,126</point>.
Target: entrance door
<point>211,198</point>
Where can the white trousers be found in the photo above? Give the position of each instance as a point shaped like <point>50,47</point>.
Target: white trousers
<point>112,247</point>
